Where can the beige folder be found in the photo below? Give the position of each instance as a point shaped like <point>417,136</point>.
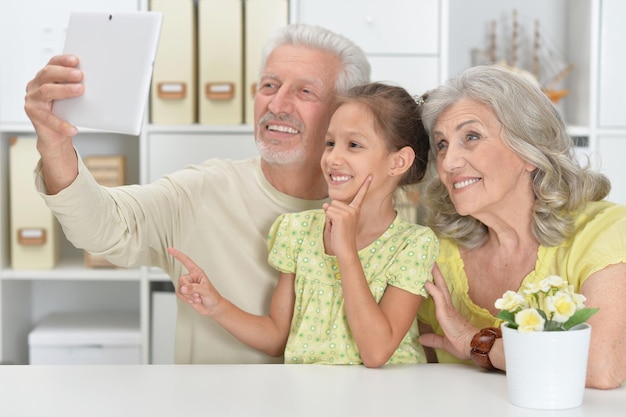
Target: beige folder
<point>220,72</point>
<point>262,18</point>
<point>35,233</point>
<point>173,93</point>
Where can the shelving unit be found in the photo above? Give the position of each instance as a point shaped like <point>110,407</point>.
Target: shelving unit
<point>417,43</point>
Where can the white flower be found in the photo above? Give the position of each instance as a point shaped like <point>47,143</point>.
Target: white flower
<point>561,306</point>
<point>552,281</point>
<point>550,305</point>
<point>529,320</point>
<point>579,299</point>
<point>531,288</point>
<point>511,301</point>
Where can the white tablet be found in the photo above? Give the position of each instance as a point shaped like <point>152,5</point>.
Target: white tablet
<point>116,53</point>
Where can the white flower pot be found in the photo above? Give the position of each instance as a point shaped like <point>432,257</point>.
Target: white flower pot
<point>546,370</point>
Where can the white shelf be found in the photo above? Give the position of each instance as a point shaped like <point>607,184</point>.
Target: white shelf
<point>70,269</point>
<point>197,128</point>
<point>17,128</point>
<point>446,41</point>
<point>157,275</point>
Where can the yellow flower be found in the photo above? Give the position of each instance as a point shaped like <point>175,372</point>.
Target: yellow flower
<point>511,301</point>
<point>529,320</point>
<point>561,305</point>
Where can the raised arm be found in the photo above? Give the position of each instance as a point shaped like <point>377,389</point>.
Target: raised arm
<point>59,79</point>
<point>265,333</point>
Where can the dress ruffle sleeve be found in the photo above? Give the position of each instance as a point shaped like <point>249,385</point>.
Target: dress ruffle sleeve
<point>414,261</point>
<point>282,245</point>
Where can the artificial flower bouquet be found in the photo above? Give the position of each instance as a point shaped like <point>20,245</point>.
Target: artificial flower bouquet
<point>551,305</point>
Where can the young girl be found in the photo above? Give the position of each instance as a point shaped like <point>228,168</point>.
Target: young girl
<point>352,274</point>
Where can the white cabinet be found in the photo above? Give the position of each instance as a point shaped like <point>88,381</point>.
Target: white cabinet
<point>566,31</point>
<point>401,38</point>
<point>171,149</point>
<point>391,27</point>
<point>32,32</point>
<point>416,43</point>
<point>590,35</point>
<point>611,111</point>
<point>612,79</point>
<point>417,74</point>
<point>612,149</point>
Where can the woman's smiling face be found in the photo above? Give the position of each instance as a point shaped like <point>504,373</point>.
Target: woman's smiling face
<point>481,173</point>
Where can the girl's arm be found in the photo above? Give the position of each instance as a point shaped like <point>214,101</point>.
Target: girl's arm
<point>378,328</point>
<point>265,333</point>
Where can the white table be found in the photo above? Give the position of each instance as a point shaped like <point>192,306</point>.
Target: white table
<point>271,390</point>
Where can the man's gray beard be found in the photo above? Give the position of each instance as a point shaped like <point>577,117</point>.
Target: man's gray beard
<point>291,157</point>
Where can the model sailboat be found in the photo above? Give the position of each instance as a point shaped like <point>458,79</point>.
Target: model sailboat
<point>547,68</point>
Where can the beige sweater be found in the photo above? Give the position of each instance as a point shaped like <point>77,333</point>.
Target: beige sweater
<point>218,212</point>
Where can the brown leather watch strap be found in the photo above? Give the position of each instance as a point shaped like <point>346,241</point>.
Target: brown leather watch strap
<point>481,344</point>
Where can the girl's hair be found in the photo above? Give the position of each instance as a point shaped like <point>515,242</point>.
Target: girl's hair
<point>355,68</point>
<point>534,129</point>
<point>397,119</point>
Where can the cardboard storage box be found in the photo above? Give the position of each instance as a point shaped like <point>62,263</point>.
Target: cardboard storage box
<point>86,338</point>
<point>35,233</point>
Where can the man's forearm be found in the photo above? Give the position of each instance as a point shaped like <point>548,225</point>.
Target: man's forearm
<point>59,166</point>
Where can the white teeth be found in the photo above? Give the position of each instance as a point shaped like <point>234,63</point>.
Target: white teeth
<point>281,128</point>
<point>462,184</point>
<point>339,177</point>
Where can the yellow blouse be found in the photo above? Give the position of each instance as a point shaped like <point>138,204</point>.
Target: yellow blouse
<point>599,240</point>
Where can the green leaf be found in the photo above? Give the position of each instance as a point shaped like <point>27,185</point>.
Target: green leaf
<point>580,316</point>
<point>508,317</point>
<point>542,314</point>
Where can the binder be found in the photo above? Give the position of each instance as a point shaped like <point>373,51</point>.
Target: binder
<point>220,67</point>
<point>262,18</point>
<point>35,232</point>
<point>173,91</point>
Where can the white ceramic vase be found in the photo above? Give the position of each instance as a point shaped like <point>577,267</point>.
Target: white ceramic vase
<point>546,370</point>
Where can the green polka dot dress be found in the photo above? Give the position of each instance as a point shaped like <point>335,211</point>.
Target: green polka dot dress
<point>403,257</point>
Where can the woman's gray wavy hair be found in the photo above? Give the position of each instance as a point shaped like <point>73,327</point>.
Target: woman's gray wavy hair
<point>534,129</point>
<point>355,70</point>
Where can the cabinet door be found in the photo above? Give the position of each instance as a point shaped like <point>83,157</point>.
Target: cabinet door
<point>379,27</point>
<point>415,73</point>
<point>169,152</point>
<point>34,31</point>
<point>612,150</point>
<point>612,65</point>
<point>399,37</point>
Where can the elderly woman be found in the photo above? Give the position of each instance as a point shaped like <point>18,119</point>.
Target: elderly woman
<point>512,205</point>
